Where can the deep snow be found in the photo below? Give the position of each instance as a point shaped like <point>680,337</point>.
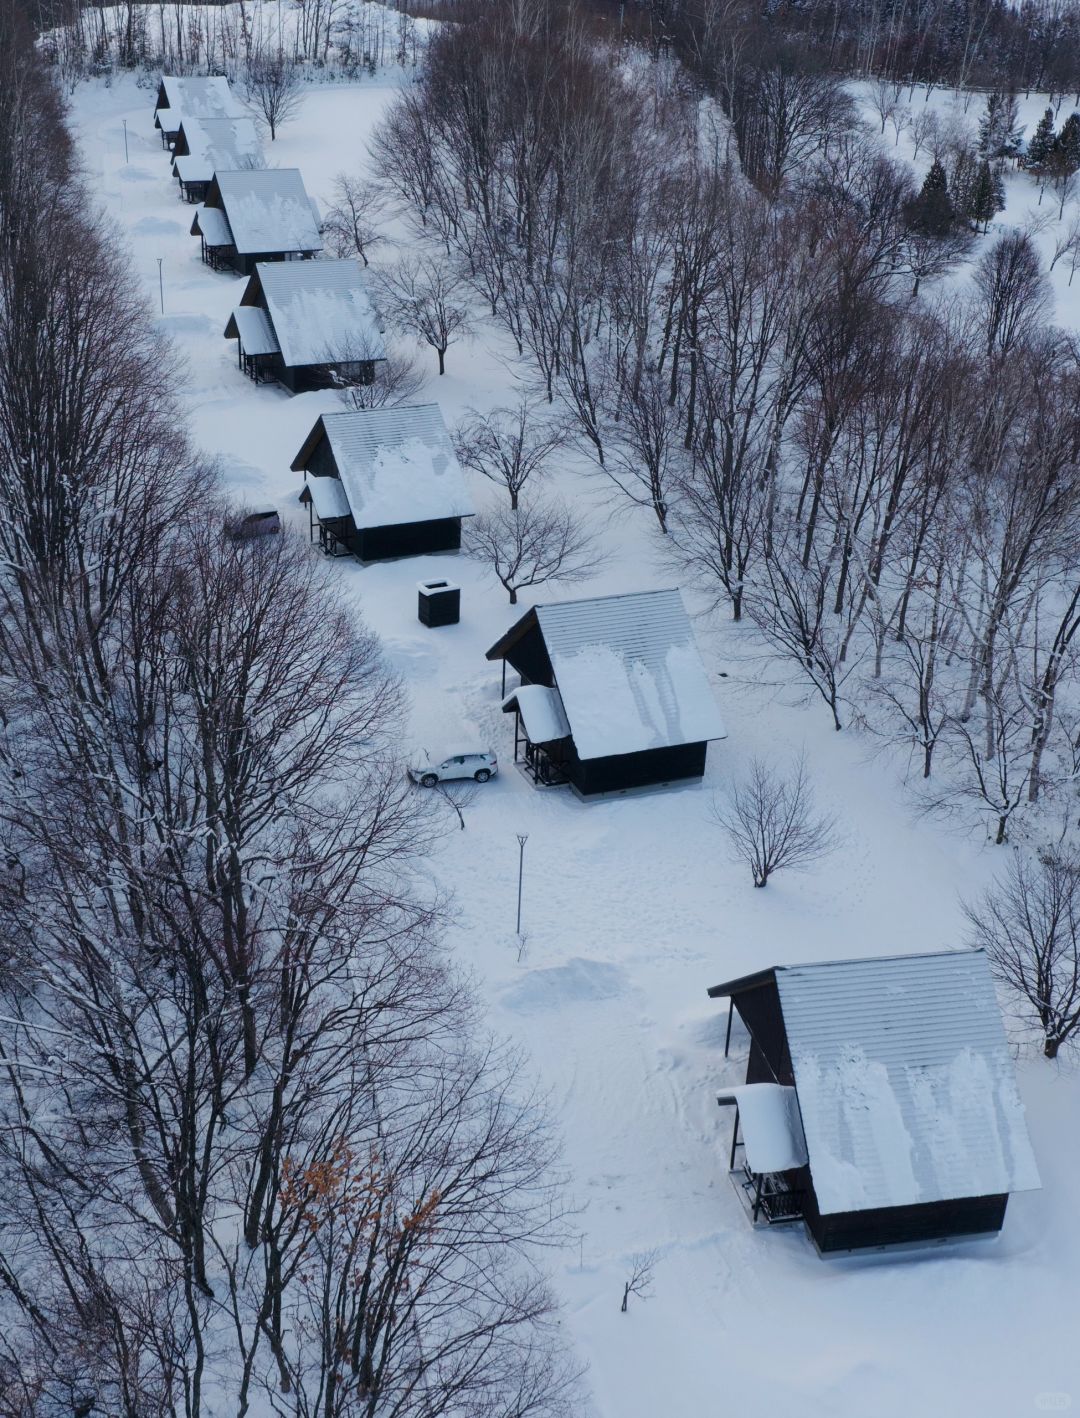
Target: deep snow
<point>631,909</point>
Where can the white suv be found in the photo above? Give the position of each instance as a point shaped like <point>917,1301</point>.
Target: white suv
<point>476,765</point>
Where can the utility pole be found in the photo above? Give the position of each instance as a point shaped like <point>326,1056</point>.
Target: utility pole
<point>126,158</point>
<point>161,284</point>
<point>522,837</point>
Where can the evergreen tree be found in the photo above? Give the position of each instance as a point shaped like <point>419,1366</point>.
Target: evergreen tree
<point>987,195</point>
<point>999,133</point>
<point>1067,147</point>
<point>931,212</point>
<point>1042,143</point>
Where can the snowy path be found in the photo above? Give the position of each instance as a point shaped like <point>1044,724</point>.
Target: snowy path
<point>632,910</point>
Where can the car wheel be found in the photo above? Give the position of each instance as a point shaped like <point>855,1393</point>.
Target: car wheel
<point>482,775</point>
<point>429,780</point>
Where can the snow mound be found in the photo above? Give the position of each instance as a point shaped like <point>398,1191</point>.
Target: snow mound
<point>576,981</point>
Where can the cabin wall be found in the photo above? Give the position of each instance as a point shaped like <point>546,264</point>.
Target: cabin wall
<point>321,462</point>
<point>409,539</point>
<point>245,262</point>
<point>623,771</point>
<point>530,658</point>
<point>770,1058</point>
<point>903,1225</point>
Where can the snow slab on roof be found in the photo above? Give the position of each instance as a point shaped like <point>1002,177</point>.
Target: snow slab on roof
<point>397,465</point>
<point>269,210</point>
<point>630,674</point>
<point>329,498</point>
<point>212,225</point>
<point>905,1081</point>
<point>769,1125</point>
<point>226,143</point>
<point>195,97</point>
<point>322,312</point>
<point>250,324</point>
<point>167,120</point>
<point>542,714</point>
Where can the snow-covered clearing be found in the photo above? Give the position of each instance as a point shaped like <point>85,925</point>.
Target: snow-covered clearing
<point>632,908</point>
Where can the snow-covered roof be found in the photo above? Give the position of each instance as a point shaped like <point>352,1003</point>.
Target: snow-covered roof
<point>397,465</point>
<point>322,311</point>
<point>268,209</point>
<point>905,1081</point>
<point>196,97</point>
<point>210,223</point>
<point>542,714</point>
<point>250,324</point>
<point>329,498</point>
<point>629,672</point>
<point>770,1126</point>
<point>167,120</point>
<point>213,143</point>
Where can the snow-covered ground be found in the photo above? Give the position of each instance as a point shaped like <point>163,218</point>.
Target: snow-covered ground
<point>632,909</point>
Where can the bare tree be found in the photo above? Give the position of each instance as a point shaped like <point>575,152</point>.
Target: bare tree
<point>783,111</point>
<point>646,453</point>
<point>531,544</point>
<point>1013,293</point>
<point>426,298</point>
<point>925,131</point>
<point>793,611</point>
<point>373,379</point>
<point>884,100</point>
<point>509,446</point>
<point>273,87</point>
<point>1029,926</point>
<point>350,222</point>
<point>642,1264</point>
<point>1066,242</point>
<point>772,822</point>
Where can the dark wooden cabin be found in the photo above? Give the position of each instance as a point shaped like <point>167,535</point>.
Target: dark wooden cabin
<point>192,96</point>
<point>256,215</point>
<point>880,1106</point>
<point>384,483</point>
<point>278,338</point>
<point>613,694</point>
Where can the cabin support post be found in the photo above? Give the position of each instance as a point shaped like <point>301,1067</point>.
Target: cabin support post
<point>504,679</point>
<point>734,1140</point>
<point>730,1013</point>
<point>757,1197</point>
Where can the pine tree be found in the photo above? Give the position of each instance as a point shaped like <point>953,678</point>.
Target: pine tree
<point>1067,147</point>
<point>1042,143</point>
<point>987,195</point>
<point>999,134</point>
<point>931,212</point>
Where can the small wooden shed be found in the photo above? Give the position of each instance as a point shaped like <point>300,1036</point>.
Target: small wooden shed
<point>613,694</point>
<point>880,1105</point>
<point>384,483</point>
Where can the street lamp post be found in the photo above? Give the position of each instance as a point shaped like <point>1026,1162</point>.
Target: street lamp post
<point>522,837</point>
<point>161,284</point>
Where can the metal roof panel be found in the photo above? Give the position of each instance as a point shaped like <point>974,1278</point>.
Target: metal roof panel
<point>905,1081</point>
